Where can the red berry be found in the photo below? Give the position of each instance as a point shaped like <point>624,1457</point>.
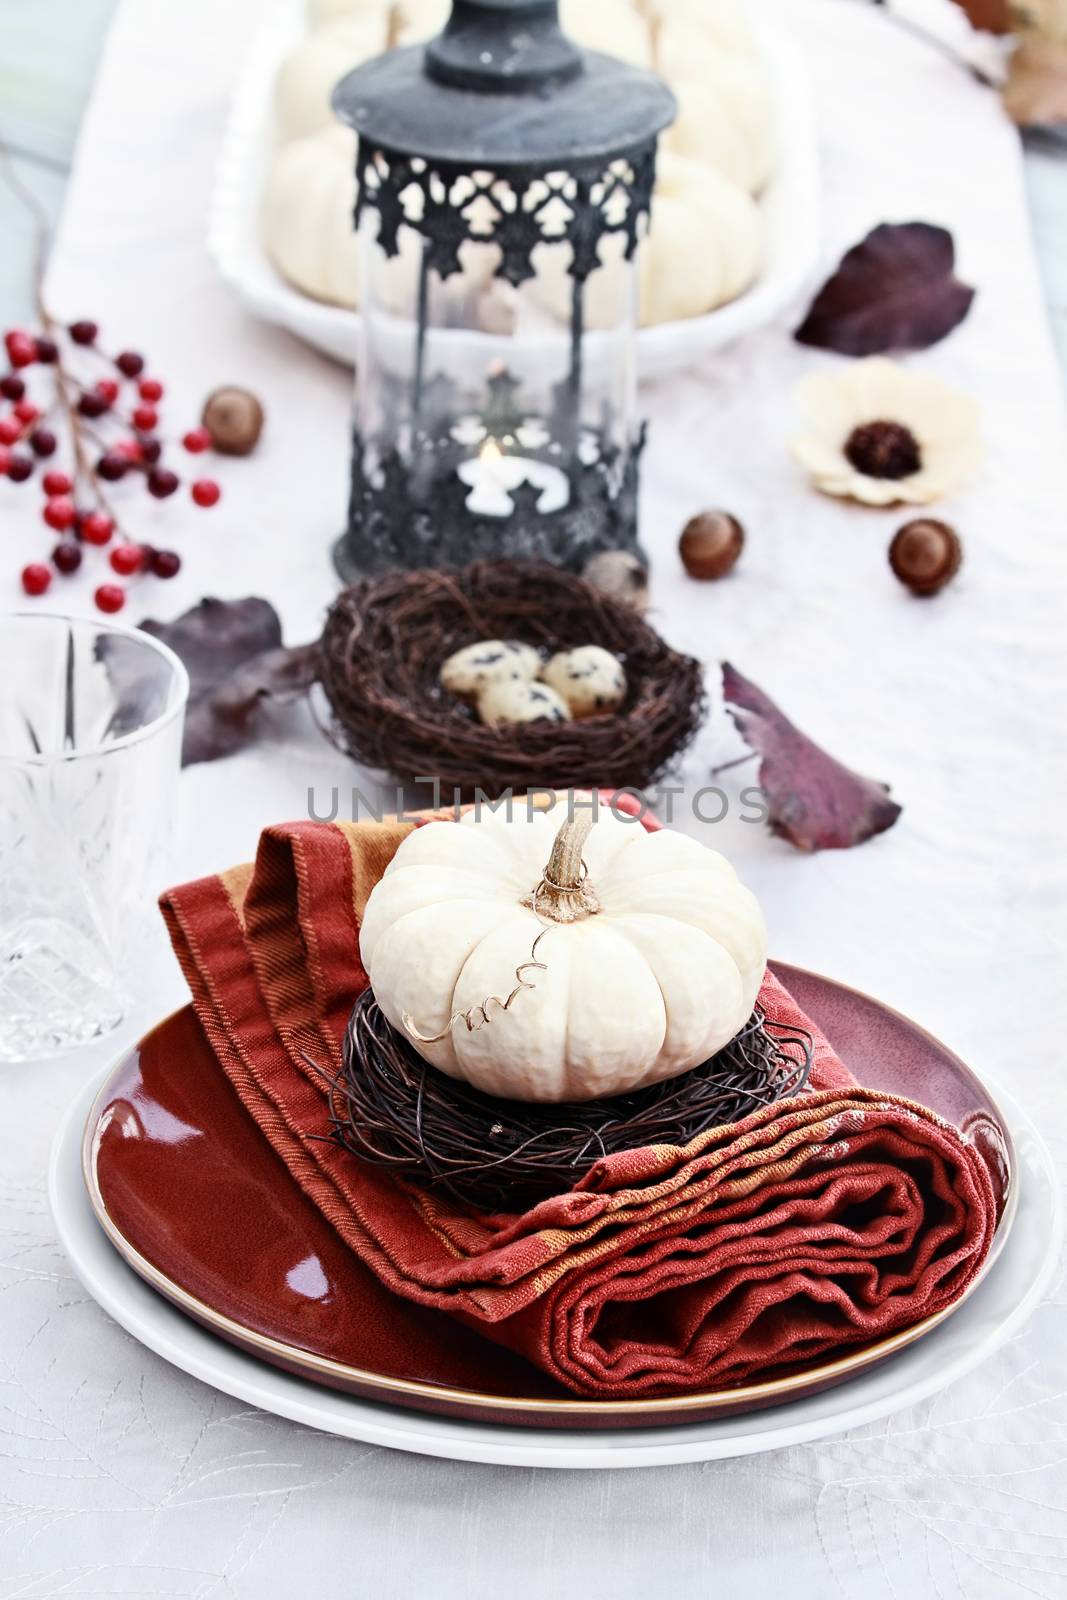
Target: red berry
<point>36,578</point>
<point>110,597</point>
<point>126,559</point>
<point>12,387</point>
<point>96,528</point>
<point>57,483</point>
<point>206,492</point>
<point>59,513</point>
<point>92,405</point>
<point>20,467</point>
<point>129,449</point>
<point>196,440</point>
<point>107,389</point>
<point>151,450</point>
<point>162,482</point>
<point>5,460</point>
<point>67,557</point>
<point>26,411</point>
<point>111,467</point>
<point>130,364</point>
<point>46,351</point>
<point>10,430</point>
<point>166,563</point>
<point>21,348</point>
<point>83,332</point>
<point>43,442</point>
<point>145,418</point>
<point>150,389</point>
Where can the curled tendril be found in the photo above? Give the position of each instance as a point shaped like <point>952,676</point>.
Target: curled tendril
<point>478,1016</point>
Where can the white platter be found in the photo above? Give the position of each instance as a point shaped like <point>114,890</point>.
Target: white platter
<point>997,1308</point>
<point>790,205</point>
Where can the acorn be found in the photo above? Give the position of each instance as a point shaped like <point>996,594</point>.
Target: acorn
<point>620,574</point>
<point>710,544</point>
<point>925,555</point>
<point>234,419</point>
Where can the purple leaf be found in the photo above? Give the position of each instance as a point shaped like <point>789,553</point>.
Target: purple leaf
<point>897,290</point>
<point>813,801</point>
<point>232,650</point>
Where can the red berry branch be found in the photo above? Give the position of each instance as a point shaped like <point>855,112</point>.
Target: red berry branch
<point>94,419</point>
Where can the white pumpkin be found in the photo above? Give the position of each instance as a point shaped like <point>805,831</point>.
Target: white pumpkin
<point>705,245</point>
<point>313,68</point>
<point>308,229</point>
<point>320,11</point>
<point>614,27</point>
<point>704,248</point>
<point>725,108</point>
<point>725,22</point>
<point>652,960</point>
<point>419,20</point>
<point>410,20</point>
<point>308,208</point>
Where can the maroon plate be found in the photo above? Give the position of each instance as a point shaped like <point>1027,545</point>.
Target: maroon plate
<point>195,1199</point>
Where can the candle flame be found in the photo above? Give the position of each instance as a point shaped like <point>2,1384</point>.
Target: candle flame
<point>490,452</point>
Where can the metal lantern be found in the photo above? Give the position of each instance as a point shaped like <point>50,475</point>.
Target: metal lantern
<point>504,180</point>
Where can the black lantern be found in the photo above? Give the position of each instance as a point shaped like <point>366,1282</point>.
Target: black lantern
<point>504,179</point>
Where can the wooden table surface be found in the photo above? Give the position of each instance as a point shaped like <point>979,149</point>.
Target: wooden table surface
<point>47,61</point>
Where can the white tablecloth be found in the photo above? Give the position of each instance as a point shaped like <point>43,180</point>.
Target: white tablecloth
<point>120,1476</point>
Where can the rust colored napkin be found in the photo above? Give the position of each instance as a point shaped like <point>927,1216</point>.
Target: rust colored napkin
<point>824,1222</point>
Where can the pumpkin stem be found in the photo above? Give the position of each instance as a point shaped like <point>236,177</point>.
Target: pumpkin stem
<point>564,893</point>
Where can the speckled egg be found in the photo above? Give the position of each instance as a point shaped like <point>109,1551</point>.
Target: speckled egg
<point>519,700</point>
<point>471,669</point>
<point>589,679</point>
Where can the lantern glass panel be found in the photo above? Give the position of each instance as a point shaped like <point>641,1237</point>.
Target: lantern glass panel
<point>495,386</point>
<point>505,177</point>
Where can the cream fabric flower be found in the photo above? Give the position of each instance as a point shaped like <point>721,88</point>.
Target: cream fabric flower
<point>881,433</point>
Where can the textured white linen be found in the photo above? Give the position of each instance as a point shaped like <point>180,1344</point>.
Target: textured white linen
<point>120,1476</point>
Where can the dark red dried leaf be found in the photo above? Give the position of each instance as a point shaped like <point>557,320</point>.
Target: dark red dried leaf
<point>232,650</point>
<point>896,290</point>
<point>991,16</point>
<point>813,801</point>
<point>215,637</point>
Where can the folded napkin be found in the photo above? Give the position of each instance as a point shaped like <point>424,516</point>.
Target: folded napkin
<point>826,1221</point>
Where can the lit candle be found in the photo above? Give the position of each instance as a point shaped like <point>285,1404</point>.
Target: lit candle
<point>491,475</point>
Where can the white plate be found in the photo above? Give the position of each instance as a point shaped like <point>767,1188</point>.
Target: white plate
<point>790,205</point>
<point>1000,1304</point>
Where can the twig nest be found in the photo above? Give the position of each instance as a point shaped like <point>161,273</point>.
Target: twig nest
<point>925,555</point>
<point>470,670</point>
<point>520,700</point>
<point>380,666</point>
<point>234,419</point>
<point>392,1109</point>
<point>710,544</point>
<point>589,680</point>
<point>620,574</point>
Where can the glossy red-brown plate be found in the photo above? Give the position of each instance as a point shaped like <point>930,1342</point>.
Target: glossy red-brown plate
<point>196,1201</point>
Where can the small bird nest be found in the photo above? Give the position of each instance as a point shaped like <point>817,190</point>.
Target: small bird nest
<point>384,644</point>
<point>390,1108</point>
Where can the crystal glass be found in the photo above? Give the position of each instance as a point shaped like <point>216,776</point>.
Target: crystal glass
<point>90,748</point>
